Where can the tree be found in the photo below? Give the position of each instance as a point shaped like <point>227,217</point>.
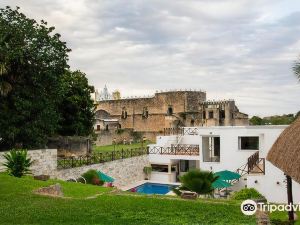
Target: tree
<point>33,59</point>
<point>296,69</point>
<point>76,107</point>
<point>255,120</point>
<point>198,181</point>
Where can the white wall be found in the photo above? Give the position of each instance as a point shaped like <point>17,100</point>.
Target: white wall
<point>231,158</point>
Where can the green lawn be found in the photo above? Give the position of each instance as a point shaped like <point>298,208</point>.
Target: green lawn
<point>19,205</point>
<point>108,148</point>
<point>282,216</point>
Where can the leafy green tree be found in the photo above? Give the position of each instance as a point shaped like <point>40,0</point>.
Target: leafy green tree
<point>255,120</point>
<point>17,162</point>
<point>296,69</point>
<point>33,59</point>
<point>76,107</point>
<point>198,181</point>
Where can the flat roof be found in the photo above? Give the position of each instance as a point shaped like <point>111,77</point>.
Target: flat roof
<point>242,127</point>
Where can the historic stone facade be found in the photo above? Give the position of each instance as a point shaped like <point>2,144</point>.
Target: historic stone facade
<point>168,109</point>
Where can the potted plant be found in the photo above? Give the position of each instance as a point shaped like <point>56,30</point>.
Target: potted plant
<point>147,170</point>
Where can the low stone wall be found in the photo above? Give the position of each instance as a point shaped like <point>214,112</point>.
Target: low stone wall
<point>125,171</point>
<point>45,161</point>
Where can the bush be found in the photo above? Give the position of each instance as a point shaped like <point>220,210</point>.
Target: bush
<point>90,175</point>
<point>247,193</point>
<point>198,181</point>
<point>17,162</point>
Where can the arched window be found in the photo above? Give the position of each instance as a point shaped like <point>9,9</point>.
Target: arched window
<point>170,110</point>
<point>124,113</point>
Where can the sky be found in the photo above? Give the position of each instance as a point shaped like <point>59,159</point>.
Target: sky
<point>232,49</point>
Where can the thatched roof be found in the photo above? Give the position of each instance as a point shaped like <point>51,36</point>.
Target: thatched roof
<point>285,152</point>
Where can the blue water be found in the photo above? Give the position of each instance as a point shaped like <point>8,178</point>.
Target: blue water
<point>152,188</point>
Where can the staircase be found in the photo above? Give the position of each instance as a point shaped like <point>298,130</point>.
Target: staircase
<point>254,165</point>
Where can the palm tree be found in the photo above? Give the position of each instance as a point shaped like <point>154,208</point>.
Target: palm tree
<point>296,69</point>
<point>198,181</point>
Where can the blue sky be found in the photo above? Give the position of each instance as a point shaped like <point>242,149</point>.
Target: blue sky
<point>243,50</point>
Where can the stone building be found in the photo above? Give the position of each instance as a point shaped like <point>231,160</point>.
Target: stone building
<point>166,109</point>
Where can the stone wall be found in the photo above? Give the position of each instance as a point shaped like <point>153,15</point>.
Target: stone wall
<point>125,171</point>
<point>157,107</point>
<point>69,145</point>
<point>45,161</point>
<point>106,137</point>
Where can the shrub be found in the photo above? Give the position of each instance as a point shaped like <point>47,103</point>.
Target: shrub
<point>198,181</point>
<point>90,175</point>
<point>247,193</point>
<point>147,170</point>
<point>17,162</point>
<point>97,181</point>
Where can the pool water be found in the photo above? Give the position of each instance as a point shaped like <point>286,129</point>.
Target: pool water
<point>153,188</point>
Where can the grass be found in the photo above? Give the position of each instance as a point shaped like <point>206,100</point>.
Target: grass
<point>109,148</point>
<point>19,205</point>
<point>281,218</point>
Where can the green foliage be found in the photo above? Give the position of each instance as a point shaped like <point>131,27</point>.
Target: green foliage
<point>120,131</point>
<point>247,193</point>
<point>76,107</point>
<point>17,199</point>
<point>273,120</point>
<point>137,136</point>
<point>90,175</point>
<point>198,181</point>
<point>296,69</point>
<point>39,96</point>
<point>34,59</point>
<point>17,163</point>
<point>147,170</point>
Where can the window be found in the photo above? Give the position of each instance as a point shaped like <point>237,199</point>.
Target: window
<point>170,110</point>
<point>248,143</point>
<point>145,113</point>
<point>204,114</point>
<point>98,127</point>
<point>222,114</point>
<point>210,114</point>
<point>106,127</point>
<point>192,122</point>
<point>211,149</point>
<point>124,113</point>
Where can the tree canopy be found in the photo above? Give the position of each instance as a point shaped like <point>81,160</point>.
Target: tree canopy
<point>33,76</point>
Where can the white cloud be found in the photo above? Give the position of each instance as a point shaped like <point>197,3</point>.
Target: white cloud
<point>232,49</point>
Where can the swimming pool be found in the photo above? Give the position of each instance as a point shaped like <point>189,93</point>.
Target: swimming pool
<point>153,188</point>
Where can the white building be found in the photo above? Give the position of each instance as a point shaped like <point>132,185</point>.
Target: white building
<point>241,149</point>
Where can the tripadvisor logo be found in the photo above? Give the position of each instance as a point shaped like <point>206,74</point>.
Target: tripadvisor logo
<point>248,207</point>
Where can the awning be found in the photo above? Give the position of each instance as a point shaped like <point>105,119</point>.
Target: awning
<point>104,177</point>
<point>227,175</point>
<point>219,183</point>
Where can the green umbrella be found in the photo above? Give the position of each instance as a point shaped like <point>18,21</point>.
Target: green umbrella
<point>219,183</point>
<point>227,175</point>
<point>104,177</point>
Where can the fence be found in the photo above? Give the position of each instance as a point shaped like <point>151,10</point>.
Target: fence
<point>101,157</point>
<point>175,150</point>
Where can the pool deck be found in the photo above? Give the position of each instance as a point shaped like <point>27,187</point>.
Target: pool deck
<point>138,183</point>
